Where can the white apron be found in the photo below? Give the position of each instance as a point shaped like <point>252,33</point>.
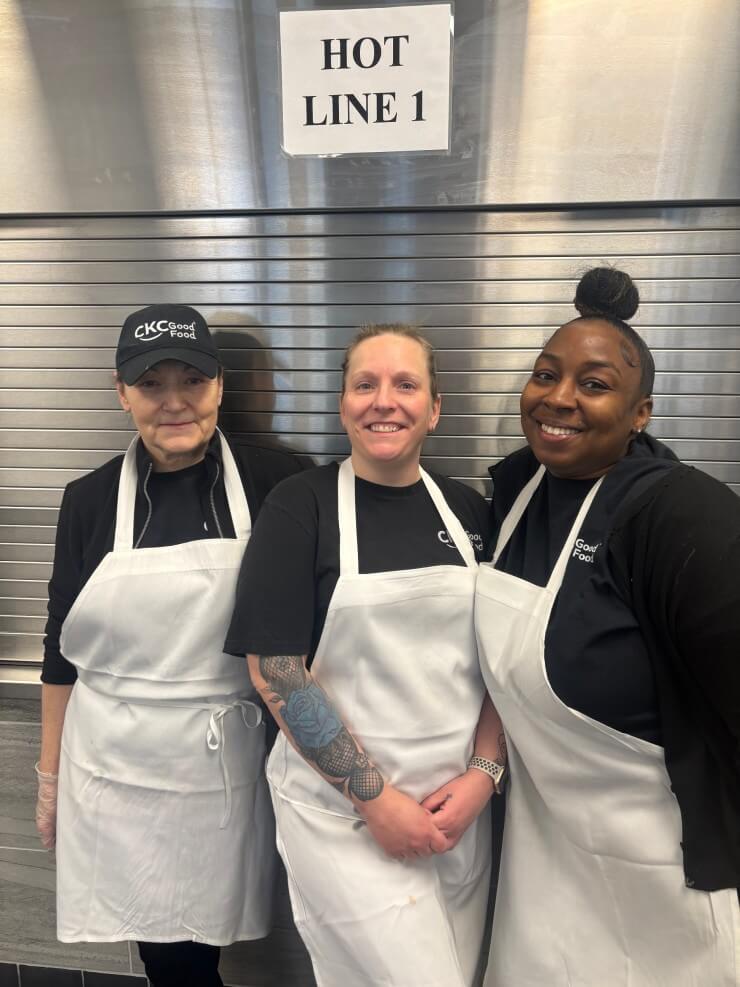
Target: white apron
<point>397,657</point>
<point>164,826</point>
<point>592,890</point>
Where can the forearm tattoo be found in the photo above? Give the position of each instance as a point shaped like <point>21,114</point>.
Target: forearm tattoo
<point>502,752</point>
<point>316,728</point>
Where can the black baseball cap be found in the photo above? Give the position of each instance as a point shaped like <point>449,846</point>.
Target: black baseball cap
<point>165,332</point>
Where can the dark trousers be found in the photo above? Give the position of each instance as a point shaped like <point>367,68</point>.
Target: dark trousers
<point>180,964</point>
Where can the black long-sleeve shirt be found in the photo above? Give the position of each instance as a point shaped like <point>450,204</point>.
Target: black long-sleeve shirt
<point>181,511</point>
<point>645,633</point>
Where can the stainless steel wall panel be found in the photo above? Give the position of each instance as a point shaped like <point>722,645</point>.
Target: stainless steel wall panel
<point>25,440</point>
<point>20,647</point>
<point>363,293</point>
<point>329,315</point>
<point>124,129</point>
<point>228,318</point>
<point>526,269</point>
<point>38,418</point>
<point>466,361</point>
<point>565,249</point>
<point>28,598</point>
<point>258,339</point>
<point>27,553</point>
<point>308,380</point>
<point>24,625</point>
<point>642,219</point>
<point>26,534</point>
<point>26,496</point>
<point>14,399</point>
<point>36,571</point>
<point>22,477</point>
<point>63,460</point>
<point>42,516</point>
<point>284,294</point>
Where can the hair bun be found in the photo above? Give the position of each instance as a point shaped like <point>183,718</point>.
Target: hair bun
<point>607,292</point>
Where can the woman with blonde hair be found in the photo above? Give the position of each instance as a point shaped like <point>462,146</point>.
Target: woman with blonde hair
<point>355,608</point>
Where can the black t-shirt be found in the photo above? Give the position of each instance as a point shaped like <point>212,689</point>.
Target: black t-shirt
<point>291,565</point>
<point>596,657</point>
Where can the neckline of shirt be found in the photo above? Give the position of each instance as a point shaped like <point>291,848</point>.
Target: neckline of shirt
<point>380,490</point>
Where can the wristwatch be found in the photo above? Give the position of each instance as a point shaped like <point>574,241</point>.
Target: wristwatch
<point>494,770</point>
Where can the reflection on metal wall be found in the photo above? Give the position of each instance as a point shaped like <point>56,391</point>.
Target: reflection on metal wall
<point>285,294</point>
<point>137,105</point>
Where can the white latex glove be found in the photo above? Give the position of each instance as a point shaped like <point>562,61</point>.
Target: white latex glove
<point>46,808</point>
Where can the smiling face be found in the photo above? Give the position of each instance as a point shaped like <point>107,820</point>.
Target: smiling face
<point>174,408</point>
<point>582,404</point>
<point>387,408</point>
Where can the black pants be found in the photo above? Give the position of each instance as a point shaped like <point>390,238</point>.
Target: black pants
<point>180,964</point>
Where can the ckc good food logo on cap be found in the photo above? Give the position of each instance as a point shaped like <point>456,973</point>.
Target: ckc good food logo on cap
<point>148,332</point>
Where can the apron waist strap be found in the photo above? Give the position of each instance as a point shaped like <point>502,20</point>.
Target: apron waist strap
<point>216,741</point>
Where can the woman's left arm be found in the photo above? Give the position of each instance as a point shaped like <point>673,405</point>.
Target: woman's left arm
<point>680,560</point>
<point>459,802</point>
<point>701,538</point>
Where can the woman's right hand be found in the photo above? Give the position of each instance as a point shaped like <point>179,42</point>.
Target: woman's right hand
<point>46,808</point>
<point>401,827</point>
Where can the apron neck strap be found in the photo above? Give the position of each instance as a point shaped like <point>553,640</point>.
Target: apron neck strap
<point>348,552</point>
<point>557,574</point>
<point>518,508</point>
<point>348,557</point>
<point>124,537</point>
<point>451,521</point>
<point>235,496</point>
<point>126,502</point>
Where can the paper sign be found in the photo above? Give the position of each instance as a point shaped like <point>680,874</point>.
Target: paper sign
<point>366,80</point>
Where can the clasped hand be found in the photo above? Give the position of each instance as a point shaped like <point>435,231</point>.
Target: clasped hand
<point>458,803</point>
<point>401,826</point>
<point>406,829</point>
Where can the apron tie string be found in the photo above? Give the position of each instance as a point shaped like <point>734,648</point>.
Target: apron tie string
<point>216,741</point>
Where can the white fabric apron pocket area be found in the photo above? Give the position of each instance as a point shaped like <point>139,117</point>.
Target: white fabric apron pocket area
<point>591,890</point>
<point>398,660</point>
<point>165,831</point>
<point>367,919</point>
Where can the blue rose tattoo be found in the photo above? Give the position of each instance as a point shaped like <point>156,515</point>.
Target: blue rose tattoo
<point>310,717</point>
<point>316,727</point>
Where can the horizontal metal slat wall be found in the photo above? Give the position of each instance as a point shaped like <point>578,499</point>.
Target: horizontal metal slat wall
<point>285,294</point>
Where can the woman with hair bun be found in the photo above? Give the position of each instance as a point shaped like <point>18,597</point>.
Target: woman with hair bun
<point>608,625</point>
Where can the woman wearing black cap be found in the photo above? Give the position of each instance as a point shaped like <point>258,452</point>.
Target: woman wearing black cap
<point>151,733</point>
<point>608,627</point>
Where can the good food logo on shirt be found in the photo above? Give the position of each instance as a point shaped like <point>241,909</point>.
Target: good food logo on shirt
<point>148,332</point>
<point>583,551</point>
<point>476,540</point>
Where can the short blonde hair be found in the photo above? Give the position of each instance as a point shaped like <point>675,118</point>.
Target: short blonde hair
<point>394,329</point>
